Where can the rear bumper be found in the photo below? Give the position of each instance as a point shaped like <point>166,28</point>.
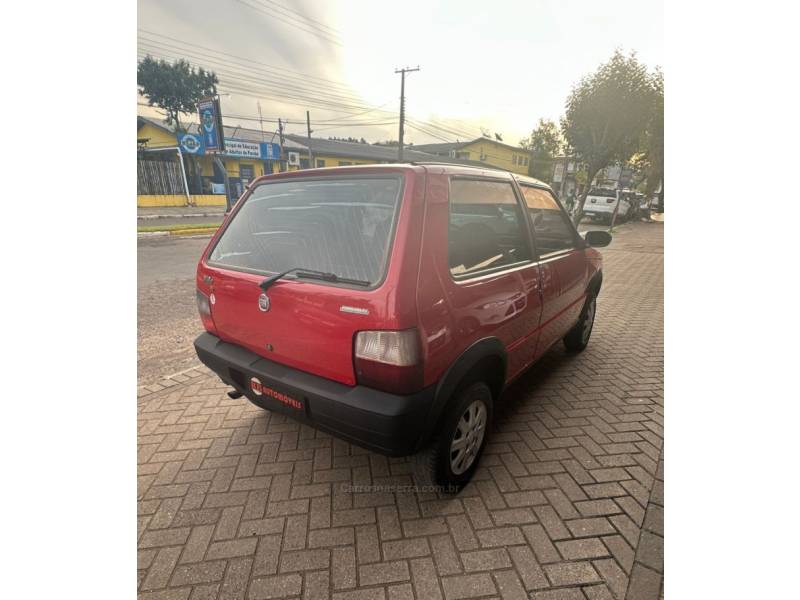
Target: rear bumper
<point>386,423</point>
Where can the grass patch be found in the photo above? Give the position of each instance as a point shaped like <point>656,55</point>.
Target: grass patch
<point>180,227</point>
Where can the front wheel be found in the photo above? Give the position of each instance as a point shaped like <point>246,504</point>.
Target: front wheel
<point>451,458</point>
<point>578,337</point>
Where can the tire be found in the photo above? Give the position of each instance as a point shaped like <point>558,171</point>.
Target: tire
<point>433,465</point>
<point>578,337</point>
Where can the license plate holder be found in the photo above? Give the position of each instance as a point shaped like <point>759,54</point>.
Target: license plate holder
<point>268,391</point>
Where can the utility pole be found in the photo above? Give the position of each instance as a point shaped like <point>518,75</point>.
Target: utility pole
<point>402,72</point>
<point>281,164</point>
<point>308,128</point>
<point>266,164</point>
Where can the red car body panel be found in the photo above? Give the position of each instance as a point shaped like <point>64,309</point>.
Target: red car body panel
<point>527,308</point>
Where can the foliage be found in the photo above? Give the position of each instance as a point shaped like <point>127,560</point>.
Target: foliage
<point>606,114</point>
<point>174,87</point>
<point>653,139</point>
<point>546,139</point>
<point>544,144</point>
<point>348,139</point>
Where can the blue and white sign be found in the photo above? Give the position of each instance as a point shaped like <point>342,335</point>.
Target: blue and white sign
<point>210,128</point>
<point>191,143</point>
<point>242,149</point>
<point>270,151</point>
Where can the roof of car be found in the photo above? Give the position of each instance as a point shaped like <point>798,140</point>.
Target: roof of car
<point>447,167</point>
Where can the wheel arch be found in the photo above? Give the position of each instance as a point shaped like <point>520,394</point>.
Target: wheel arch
<point>595,283</point>
<point>485,360</point>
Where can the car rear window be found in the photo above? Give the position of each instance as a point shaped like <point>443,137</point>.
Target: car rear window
<point>340,225</point>
<point>604,192</point>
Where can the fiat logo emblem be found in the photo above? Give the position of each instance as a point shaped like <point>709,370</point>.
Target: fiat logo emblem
<point>263,302</point>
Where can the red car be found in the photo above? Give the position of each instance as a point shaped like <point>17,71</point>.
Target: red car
<point>390,305</point>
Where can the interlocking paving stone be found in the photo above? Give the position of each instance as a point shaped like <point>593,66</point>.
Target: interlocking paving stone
<point>235,502</point>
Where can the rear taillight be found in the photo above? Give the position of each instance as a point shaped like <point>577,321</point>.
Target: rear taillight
<point>610,200</point>
<point>389,360</point>
<point>204,308</point>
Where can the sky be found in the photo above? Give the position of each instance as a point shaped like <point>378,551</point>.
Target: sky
<point>493,66</point>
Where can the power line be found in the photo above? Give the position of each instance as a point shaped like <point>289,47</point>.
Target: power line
<point>249,60</point>
<point>316,31</point>
<point>302,16</point>
<point>269,78</point>
<point>447,130</point>
<point>257,91</point>
<point>233,73</point>
<point>433,135</point>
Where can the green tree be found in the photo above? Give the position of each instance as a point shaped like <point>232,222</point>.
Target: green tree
<point>653,146</point>
<point>544,144</point>
<point>174,87</point>
<point>606,114</point>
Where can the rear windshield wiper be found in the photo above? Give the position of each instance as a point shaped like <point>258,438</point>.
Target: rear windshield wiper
<point>300,272</point>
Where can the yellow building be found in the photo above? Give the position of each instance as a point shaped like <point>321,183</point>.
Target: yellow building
<point>483,150</point>
<point>166,177</point>
<point>164,180</point>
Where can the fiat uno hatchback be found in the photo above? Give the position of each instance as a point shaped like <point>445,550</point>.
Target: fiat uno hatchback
<point>389,305</point>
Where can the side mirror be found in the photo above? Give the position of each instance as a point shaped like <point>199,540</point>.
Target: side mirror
<point>597,239</point>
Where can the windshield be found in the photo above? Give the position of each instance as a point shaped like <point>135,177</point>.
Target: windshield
<point>341,226</point>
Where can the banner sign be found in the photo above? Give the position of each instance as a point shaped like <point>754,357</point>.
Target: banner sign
<point>192,143</point>
<point>243,149</point>
<point>211,125</point>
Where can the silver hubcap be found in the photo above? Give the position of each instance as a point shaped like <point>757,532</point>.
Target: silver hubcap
<point>588,321</point>
<point>468,437</point>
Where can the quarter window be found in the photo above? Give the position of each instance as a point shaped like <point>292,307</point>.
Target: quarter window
<point>552,229</point>
<point>486,230</point>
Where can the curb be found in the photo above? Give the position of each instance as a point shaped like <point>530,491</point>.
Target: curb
<point>182,216</point>
<point>186,233</point>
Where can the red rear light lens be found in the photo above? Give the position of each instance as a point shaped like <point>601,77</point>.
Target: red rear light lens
<point>204,308</point>
<point>389,360</point>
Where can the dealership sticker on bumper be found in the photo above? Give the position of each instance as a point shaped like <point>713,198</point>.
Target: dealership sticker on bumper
<point>259,389</point>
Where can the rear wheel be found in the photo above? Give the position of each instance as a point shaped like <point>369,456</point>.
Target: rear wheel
<point>451,458</point>
<point>578,337</point>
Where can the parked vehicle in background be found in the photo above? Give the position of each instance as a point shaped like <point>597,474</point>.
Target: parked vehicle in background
<point>390,305</point>
<point>601,202</point>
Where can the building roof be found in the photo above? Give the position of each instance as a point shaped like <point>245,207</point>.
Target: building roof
<point>436,148</point>
<point>140,121</point>
<point>447,147</point>
<point>356,150</point>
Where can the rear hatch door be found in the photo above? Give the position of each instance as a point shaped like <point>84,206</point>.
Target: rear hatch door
<point>341,225</point>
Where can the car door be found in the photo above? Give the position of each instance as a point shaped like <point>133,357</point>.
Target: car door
<point>493,283</point>
<point>562,265</point>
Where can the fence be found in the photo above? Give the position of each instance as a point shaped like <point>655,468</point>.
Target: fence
<point>159,175</point>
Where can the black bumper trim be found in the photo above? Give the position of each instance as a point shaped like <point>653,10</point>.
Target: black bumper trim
<point>383,422</point>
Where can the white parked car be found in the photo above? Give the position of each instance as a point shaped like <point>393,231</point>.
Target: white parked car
<point>601,202</point>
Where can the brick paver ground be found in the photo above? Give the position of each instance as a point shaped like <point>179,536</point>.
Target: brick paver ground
<point>568,501</point>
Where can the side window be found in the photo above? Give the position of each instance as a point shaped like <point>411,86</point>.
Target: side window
<point>551,228</point>
<point>487,229</point>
